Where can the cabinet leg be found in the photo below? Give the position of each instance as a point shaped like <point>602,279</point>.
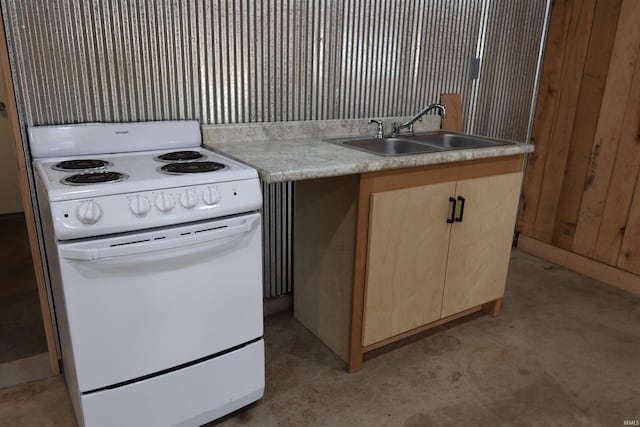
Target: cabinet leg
<point>355,359</point>
<point>493,308</point>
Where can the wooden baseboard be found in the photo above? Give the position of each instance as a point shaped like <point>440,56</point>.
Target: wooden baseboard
<point>591,268</point>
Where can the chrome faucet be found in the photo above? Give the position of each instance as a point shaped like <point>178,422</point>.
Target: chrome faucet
<point>397,127</point>
<point>380,130</point>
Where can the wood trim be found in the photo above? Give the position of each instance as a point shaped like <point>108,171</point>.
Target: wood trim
<point>605,273</point>
<point>359,273</point>
<point>453,103</point>
<point>433,174</point>
<point>14,123</point>
<point>422,328</point>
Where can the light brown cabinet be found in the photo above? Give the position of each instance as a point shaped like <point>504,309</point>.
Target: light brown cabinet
<point>436,250</point>
<point>383,241</point>
<point>407,259</point>
<point>480,245</point>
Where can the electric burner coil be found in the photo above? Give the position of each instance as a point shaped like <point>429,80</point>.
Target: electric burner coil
<point>180,156</point>
<point>191,167</point>
<point>94,178</point>
<point>81,164</point>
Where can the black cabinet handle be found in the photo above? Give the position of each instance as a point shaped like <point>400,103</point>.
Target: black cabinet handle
<point>453,211</point>
<point>459,219</point>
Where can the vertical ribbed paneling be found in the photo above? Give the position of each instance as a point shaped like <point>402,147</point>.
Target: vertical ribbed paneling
<point>277,228</point>
<point>507,78</point>
<point>237,60</point>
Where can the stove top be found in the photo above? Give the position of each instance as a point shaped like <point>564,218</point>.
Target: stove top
<point>159,175</point>
<point>135,171</point>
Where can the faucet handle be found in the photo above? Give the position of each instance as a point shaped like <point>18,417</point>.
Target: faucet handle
<point>380,131</point>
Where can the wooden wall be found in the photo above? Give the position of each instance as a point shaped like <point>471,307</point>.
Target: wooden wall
<point>582,193</point>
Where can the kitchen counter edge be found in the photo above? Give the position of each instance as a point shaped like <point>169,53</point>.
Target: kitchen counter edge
<point>302,159</point>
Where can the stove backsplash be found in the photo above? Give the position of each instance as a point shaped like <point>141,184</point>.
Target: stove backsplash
<point>241,61</point>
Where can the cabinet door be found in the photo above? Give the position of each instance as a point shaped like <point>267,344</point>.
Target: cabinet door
<point>406,260</point>
<point>480,245</point>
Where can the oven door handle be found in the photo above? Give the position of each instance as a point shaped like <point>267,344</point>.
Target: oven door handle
<point>93,254</point>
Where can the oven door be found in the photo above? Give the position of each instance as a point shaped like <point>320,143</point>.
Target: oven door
<point>141,303</point>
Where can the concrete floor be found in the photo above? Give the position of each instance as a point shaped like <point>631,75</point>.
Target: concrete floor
<point>565,352</point>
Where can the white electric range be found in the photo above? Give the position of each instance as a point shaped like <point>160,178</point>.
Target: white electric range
<point>154,252</point>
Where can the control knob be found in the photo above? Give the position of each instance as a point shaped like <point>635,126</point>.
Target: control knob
<point>89,212</point>
<point>165,202</point>
<point>189,199</point>
<point>139,205</point>
<point>211,196</point>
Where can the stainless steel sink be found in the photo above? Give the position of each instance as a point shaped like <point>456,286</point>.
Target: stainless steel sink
<point>456,141</point>
<point>387,146</point>
<point>421,143</point>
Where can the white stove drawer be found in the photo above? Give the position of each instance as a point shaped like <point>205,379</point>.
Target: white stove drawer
<point>191,396</point>
<point>141,303</point>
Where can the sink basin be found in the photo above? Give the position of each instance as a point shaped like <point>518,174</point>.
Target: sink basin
<point>456,141</point>
<point>387,146</point>
<point>421,143</point>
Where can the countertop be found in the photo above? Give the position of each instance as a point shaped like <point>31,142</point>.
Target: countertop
<point>280,153</point>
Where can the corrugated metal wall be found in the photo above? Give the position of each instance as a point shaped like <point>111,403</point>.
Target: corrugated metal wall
<point>277,233</point>
<point>251,61</point>
<point>233,61</point>
<point>506,85</point>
